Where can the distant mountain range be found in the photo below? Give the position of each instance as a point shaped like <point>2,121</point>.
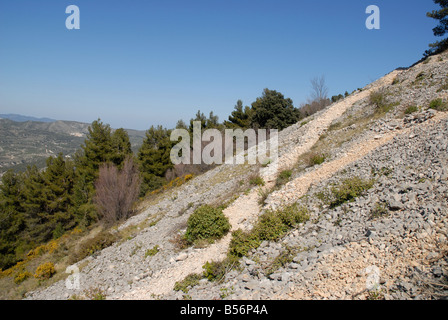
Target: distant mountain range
<point>21,118</point>
<point>29,140</point>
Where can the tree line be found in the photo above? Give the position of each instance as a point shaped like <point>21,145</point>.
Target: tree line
<point>102,181</point>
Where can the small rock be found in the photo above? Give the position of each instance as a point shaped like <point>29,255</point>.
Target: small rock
<point>251,285</point>
<point>182,257</point>
<point>244,277</point>
<point>275,276</point>
<point>437,271</point>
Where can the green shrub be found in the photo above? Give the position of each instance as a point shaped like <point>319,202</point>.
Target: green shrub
<point>293,215</point>
<point>206,223</point>
<point>271,226</point>
<point>317,159</point>
<point>216,270</point>
<point>152,252</point>
<point>379,210</point>
<point>377,98</point>
<point>411,109</point>
<point>274,224</point>
<point>324,196</point>
<point>438,104</point>
<point>190,281</point>
<point>242,242</point>
<point>348,190</point>
<point>283,177</point>
<point>95,294</point>
<point>257,181</point>
<point>263,195</point>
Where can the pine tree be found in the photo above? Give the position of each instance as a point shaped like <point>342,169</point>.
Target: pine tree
<point>212,121</point>
<point>441,29</point>
<point>12,220</point>
<point>98,148</point>
<point>34,204</point>
<point>121,147</point>
<point>154,158</point>
<point>181,125</point>
<point>240,117</point>
<point>59,179</point>
<point>200,116</point>
<point>273,111</point>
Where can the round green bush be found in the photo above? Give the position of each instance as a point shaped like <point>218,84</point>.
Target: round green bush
<point>206,223</point>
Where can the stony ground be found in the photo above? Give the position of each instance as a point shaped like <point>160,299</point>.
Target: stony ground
<point>340,251</point>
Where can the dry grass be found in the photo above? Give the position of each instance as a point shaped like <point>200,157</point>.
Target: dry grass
<point>67,245</point>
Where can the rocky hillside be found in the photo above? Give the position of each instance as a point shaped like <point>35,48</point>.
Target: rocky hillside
<point>371,172</point>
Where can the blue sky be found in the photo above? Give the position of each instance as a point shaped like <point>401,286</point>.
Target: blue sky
<point>139,63</point>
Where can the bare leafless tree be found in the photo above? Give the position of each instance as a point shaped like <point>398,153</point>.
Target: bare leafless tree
<point>117,191</point>
<point>318,98</point>
<point>319,90</point>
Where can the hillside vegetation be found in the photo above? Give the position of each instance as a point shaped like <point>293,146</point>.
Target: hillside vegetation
<point>97,186</point>
<point>360,192</point>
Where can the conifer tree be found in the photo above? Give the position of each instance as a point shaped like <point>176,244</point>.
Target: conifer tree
<point>441,29</point>
<point>273,111</point>
<point>240,117</point>
<point>121,147</point>
<point>200,116</point>
<point>181,125</point>
<point>154,158</point>
<point>212,121</point>
<point>59,179</point>
<point>34,204</point>
<point>12,219</point>
<point>98,148</point>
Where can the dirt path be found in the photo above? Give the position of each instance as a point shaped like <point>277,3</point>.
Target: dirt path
<point>350,266</point>
<point>294,189</point>
<point>246,208</point>
<point>319,125</point>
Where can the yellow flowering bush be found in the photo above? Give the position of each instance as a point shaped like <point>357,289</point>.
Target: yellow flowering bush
<point>52,246</point>
<point>8,272</point>
<point>22,276</point>
<point>174,183</point>
<point>45,271</point>
<point>40,250</point>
